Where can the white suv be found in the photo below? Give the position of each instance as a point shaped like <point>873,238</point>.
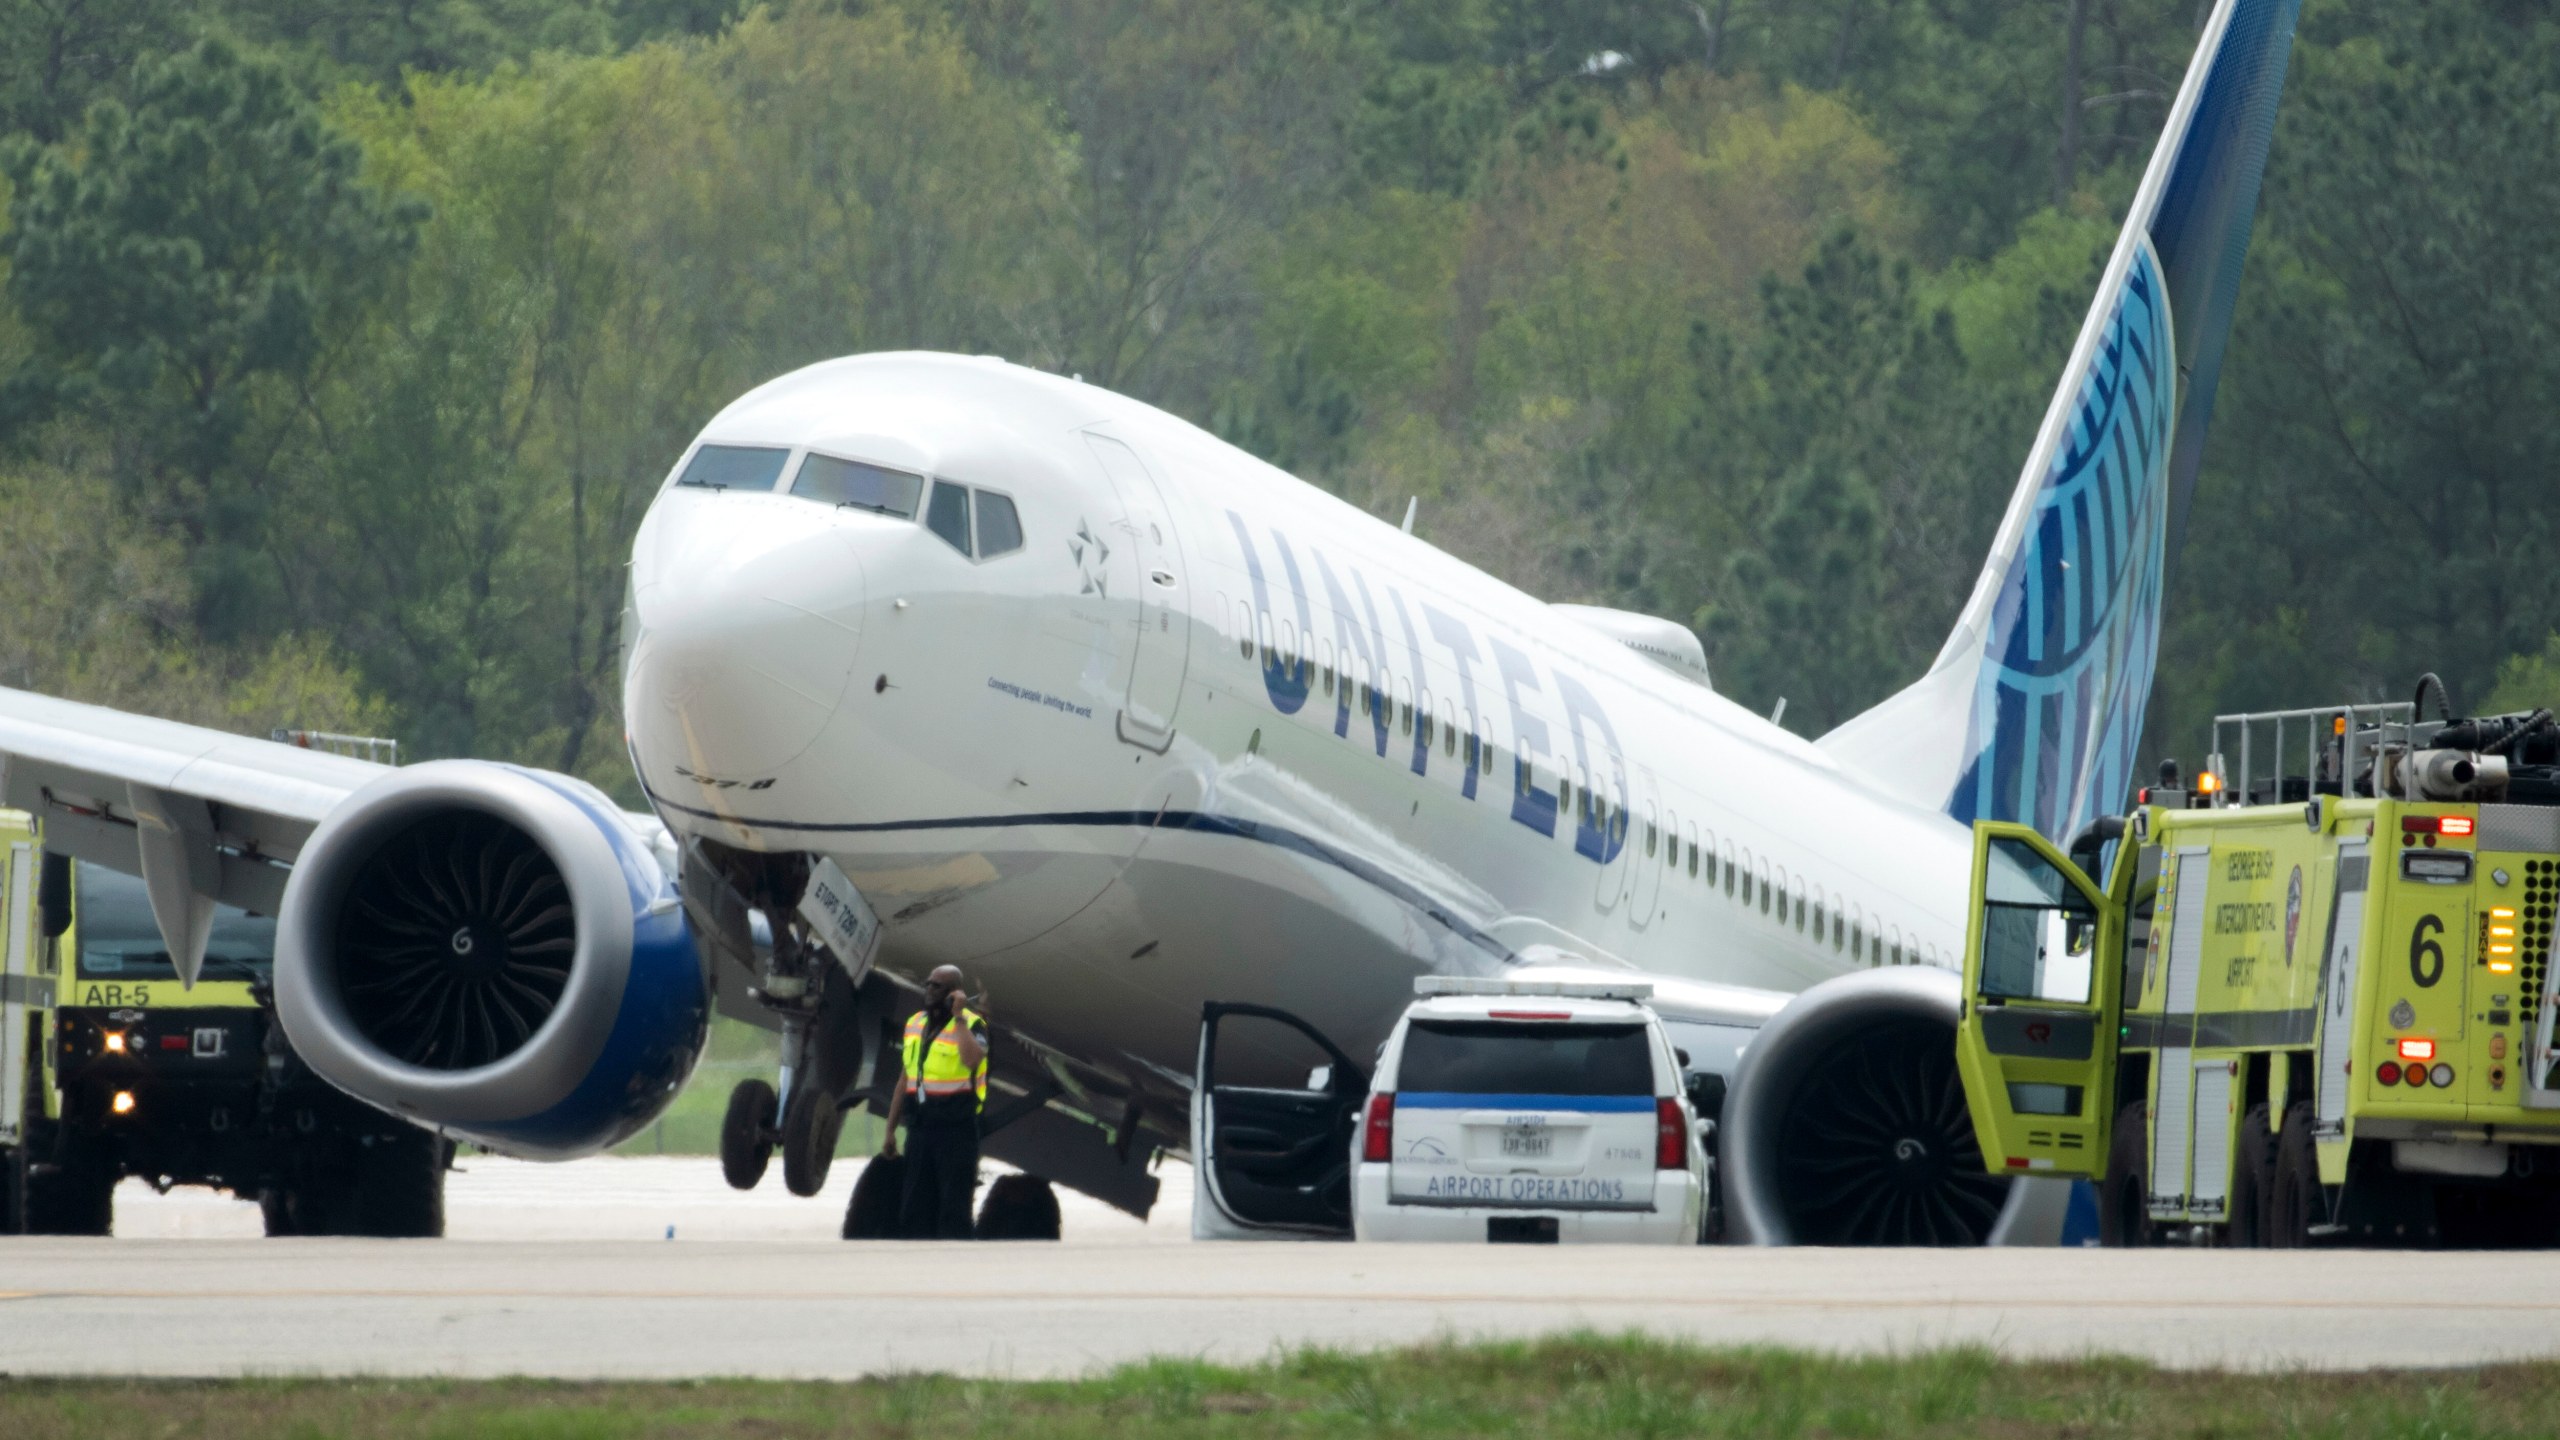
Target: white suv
<point>1529,1112</point>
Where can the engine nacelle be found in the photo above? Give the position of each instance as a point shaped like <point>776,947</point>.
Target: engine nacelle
<point>1846,1125</point>
<point>491,951</point>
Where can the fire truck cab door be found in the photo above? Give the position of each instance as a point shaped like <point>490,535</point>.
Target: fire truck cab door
<point>19,998</point>
<point>2043,993</point>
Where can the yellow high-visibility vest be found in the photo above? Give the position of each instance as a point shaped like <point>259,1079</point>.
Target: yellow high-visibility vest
<point>934,1071</point>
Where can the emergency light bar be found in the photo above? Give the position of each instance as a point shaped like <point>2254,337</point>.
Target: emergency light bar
<point>1561,989</point>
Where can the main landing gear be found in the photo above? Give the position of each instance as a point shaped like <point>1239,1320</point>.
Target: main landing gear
<point>1016,1206</point>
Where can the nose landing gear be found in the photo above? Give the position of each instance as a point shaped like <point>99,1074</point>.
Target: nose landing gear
<point>826,1050</point>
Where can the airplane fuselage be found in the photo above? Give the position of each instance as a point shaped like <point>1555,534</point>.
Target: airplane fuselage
<point>1209,732</point>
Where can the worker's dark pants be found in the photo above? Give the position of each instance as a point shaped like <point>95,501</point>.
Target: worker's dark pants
<point>942,1179</point>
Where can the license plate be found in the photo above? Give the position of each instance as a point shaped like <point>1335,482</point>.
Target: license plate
<point>1535,1144</point>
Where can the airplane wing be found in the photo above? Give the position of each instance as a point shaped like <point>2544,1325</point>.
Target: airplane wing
<point>203,816</point>
<point>200,815</point>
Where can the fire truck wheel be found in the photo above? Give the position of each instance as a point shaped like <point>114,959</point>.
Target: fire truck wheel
<point>13,1190</point>
<point>2253,1181</point>
<point>399,1187</point>
<point>2296,1202</point>
<point>74,1196</point>
<point>275,1207</point>
<point>746,1134</point>
<point>2124,1199</point>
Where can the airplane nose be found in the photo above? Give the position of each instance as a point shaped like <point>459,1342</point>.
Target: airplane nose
<point>750,615</point>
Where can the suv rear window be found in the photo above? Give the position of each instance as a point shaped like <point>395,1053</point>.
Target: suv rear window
<point>1494,1057</point>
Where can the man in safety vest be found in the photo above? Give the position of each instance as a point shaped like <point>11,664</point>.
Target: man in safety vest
<point>945,1086</point>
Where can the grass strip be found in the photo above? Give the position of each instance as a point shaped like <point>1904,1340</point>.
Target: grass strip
<point>1572,1385</point>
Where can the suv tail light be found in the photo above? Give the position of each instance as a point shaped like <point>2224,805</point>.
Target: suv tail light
<point>1381,1127</point>
<point>1670,1135</point>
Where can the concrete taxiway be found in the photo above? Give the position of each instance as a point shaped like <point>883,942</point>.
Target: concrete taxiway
<point>564,1299</point>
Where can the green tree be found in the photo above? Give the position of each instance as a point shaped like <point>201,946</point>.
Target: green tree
<point>56,56</point>
<point>2377,500</point>
<point>184,268</point>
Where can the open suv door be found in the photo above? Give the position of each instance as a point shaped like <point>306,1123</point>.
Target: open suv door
<point>1273,1108</point>
<point>2043,989</point>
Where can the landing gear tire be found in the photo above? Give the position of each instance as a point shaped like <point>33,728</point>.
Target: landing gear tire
<point>2298,1202</point>
<point>2124,1198</point>
<point>809,1131</point>
<point>872,1213</point>
<point>2252,1183</point>
<point>1019,1207</point>
<point>746,1134</point>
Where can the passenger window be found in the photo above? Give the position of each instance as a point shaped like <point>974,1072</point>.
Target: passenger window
<point>734,467</point>
<point>999,528</point>
<point>1652,836</point>
<point>1324,663</point>
<point>1693,855</point>
<point>1244,629</point>
<point>1404,708</point>
<point>1448,731</point>
<point>947,515</point>
<point>831,481</point>
<point>2038,929</point>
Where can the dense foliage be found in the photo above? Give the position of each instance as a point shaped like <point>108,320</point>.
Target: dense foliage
<point>340,347</point>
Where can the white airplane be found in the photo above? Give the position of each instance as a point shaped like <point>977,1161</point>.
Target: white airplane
<point>1133,727</point>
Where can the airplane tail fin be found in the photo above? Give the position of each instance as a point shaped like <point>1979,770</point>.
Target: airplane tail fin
<point>2033,708</point>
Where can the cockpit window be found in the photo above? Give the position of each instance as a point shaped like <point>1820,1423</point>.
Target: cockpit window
<point>948,515</point>
<point>999,527</point>
<point>734,467</point>
<point>832,481</point>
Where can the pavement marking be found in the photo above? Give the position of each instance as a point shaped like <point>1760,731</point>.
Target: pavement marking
<point>1397,1297</point>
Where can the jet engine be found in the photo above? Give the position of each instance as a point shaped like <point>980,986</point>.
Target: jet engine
<point>495,953</point>
<point>1846,1125</point>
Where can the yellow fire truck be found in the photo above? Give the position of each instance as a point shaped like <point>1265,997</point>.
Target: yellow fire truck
<point>2303,1007</point>
<point>110,1068</point>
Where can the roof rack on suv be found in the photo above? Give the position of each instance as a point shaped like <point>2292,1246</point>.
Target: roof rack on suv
<point>1561,989</point>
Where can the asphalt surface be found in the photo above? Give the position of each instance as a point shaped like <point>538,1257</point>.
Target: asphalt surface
<point>569,1296</point>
